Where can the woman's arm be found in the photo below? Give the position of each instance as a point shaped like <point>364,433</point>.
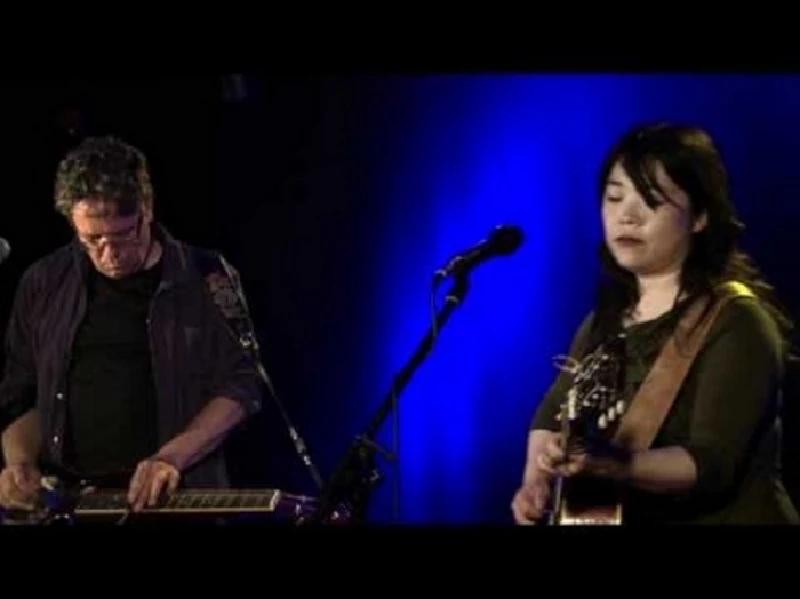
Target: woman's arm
<point>735,385</point>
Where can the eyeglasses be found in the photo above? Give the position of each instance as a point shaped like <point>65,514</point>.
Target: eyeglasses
<point>129,236</point>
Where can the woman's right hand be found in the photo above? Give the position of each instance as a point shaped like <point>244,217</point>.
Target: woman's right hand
<point>530,501</point>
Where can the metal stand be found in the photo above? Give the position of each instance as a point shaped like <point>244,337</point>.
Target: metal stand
<point>349,491</point>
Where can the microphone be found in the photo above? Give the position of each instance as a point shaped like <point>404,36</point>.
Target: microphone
<point>503,240</point>
<point>5,250</point>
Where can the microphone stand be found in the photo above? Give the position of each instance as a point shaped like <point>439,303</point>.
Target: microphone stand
<point>349,490</point>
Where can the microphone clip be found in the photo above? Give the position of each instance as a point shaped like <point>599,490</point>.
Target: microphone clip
<point>503,240</point>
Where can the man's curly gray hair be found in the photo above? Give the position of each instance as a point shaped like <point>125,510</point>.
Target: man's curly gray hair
<point>107,169</point>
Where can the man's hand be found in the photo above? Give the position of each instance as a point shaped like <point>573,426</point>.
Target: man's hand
<point>153,476</point>
<point>19,484</point>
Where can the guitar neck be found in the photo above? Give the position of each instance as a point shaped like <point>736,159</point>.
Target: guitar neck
<point>558,483</point>
<point>190,501</point>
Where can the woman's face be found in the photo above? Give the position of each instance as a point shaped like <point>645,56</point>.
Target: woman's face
<point>643,240</point>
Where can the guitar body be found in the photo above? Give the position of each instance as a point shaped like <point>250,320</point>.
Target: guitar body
<point>587,502</point>
<point>595,515</point>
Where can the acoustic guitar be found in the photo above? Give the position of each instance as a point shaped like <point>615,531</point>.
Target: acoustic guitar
<point>595,415</point>
<point>588,418</point>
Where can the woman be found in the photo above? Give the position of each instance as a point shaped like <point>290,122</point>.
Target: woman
<point>669,240</point>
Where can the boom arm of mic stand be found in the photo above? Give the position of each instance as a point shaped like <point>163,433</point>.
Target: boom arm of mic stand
<point>352,482</point>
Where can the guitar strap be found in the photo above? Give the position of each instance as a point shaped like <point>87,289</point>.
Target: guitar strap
<point>223,283</point>
<point>224,286</point>
<point>651,404</point>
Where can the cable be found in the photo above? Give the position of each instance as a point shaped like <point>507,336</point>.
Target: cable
<point>397,487</point>
<point>238,317</point>
<point>397,496</point>
<point>297,440</point>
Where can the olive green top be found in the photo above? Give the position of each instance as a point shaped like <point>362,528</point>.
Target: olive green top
<point>725,415</point>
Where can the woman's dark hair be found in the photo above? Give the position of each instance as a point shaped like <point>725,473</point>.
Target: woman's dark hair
<point>692,161</point>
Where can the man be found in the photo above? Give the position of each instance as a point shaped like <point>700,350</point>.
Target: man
<point>127,351</point>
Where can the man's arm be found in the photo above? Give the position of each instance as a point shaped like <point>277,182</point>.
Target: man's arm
<point>204,434</point>
<point>22,436</point>
<point>238,380</point>
<point>22,439</point>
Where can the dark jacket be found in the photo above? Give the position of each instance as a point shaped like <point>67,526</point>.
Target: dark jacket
<point>195,354</point>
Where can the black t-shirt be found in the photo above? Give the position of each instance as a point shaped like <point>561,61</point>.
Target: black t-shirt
<point>112,415</point>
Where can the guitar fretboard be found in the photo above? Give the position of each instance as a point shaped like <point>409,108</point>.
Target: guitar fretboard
<point>227,501</point>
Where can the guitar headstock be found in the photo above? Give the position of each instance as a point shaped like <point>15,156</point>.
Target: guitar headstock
<point>593,406</point>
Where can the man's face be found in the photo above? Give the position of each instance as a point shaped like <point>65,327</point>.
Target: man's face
<point>115,244</point>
